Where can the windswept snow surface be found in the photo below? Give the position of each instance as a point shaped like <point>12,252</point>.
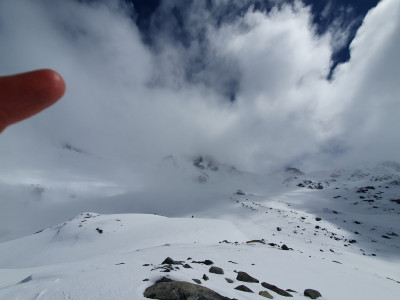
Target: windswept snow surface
<point>342,230</point>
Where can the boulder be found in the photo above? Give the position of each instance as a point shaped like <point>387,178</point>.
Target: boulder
<point>243,288</point>
<point>216,270</point>
<point>265,294</point>
<point>181,290</point>
<point>170,261</point>
<point>313,294</point>
<point>198,281</point>
<point>276,289</point>
<point>243,276</point>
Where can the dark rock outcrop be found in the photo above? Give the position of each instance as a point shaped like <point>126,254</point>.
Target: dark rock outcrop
<point>313,294</point>
<point>170,261</point>
<point>243,288</point>
<point>276,289</point>
<point>243,276</point>
<point>198,281</point>
<point>216,270</point>
<point>181,290</point>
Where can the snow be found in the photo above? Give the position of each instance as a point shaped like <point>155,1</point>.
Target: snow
<point>109,256</point>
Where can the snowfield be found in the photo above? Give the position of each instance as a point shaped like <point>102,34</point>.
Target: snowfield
<point>340,231</point>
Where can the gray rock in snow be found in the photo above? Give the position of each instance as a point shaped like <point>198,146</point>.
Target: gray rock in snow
<point>313,294</point>
<point>266,294</point>
<point>243,276</point>
<point>243,288</point>
<point>216,270</point>
<point>181,290</point>
<point>276,289</point>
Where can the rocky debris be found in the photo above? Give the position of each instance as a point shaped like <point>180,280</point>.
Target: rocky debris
<point>205,277</point>
<point>181,290</point>
<point>206,262</point>
<point>228,280</point>
<point>313,294</point>
<point>311,184</point>
<point>240,193</point>
<point>275,289</point>
<point>216,270</point>
<point>99,230</point>
<point>203,163</point>
<point>395,201</point>
<point>365,189</point>
<point>243,288</point>
<point>265,294</point>
<point>243,276</point>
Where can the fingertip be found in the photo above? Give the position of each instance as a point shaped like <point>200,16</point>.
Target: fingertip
<point>53,82</point>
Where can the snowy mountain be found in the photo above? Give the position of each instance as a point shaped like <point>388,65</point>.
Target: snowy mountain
<point>333,232</point>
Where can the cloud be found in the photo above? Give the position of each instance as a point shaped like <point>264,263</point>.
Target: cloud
<point>129,104</point>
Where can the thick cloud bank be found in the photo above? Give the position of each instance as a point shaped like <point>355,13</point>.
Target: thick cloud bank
<point>251,92</point>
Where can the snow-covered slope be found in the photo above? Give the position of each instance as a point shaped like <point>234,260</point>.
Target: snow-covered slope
<point>340,231</point>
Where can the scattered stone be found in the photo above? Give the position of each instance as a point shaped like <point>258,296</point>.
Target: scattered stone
<point>170,261</point>
<point>266,294</point>
<point>243,276</point>
<point>187,266</point>
<point>243,288</point>
<point>205,277</point>
<point>99,230</point>
<point>352,241</point>
<point>386,237</point>
<point>206,262</point>
<point>216,270</point>
<point>197,281</point>
<point>255,241</point>
<point>228,280</point>
<point>284,247</point>
<point>313,294</point>
<point>181,290</point>
<point>240,192</point>
<point>318,219</point>
<point>276,289</point>
<point>357,222</point>
<point>278,228</point>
